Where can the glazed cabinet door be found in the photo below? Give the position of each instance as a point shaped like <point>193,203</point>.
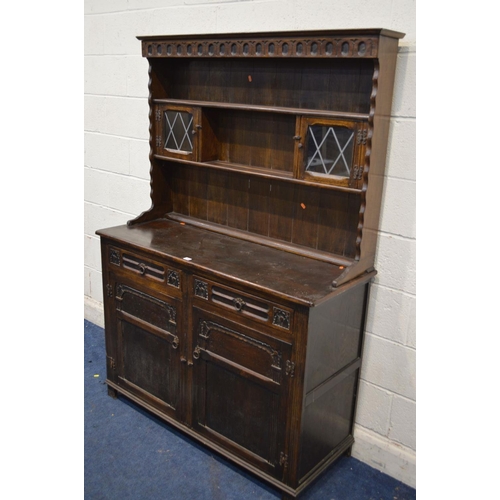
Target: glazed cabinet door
<point>332,151</point>
<point>147,346</point>
<point>240,390</point>
<point>177,131</point>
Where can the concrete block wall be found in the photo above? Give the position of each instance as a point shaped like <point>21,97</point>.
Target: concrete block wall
<point>117,178</point>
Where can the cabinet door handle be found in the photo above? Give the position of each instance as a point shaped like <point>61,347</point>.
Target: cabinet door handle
<point>196,352</point>
<point>175,342</point>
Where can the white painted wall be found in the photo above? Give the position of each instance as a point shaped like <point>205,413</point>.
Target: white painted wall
<point>117,178</point>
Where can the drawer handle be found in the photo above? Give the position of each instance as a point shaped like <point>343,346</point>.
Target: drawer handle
<point>175,342</point>
<point>239,304</point>
<point>196,352</point>
<point>142,269</point>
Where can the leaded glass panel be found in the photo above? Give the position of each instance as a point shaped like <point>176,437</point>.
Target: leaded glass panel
<point>178,125</point>
<point>330,150</point>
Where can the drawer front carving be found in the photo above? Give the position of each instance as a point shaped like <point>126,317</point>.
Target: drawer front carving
<point>160,276</point>
<point>261,310</point>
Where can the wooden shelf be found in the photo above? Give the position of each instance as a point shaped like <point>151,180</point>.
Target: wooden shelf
<point>260,172</point>
<point>265,109</point>
<point>247,169</point>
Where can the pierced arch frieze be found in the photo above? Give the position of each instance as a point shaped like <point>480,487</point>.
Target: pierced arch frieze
<point>366,47</point>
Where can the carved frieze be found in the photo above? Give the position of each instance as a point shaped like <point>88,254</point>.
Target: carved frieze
<point>263,47</point>
<point>114,257</point>
<point>173,279</point>
<point>281,318</point>
<point>201,289</point>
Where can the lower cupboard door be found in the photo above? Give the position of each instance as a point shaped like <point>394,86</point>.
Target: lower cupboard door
<point>147,348</point>
<point>241,391</point>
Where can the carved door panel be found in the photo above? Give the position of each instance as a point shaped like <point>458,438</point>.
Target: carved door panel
<point>241,384</point>
<point>147,347</point>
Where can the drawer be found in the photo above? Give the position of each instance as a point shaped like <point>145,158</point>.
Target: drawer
<point>143,268</point>
<point>255,308</point>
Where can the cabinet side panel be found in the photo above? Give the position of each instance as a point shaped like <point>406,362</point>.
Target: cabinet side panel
<point>382,100</point>
<point>334,335</point>
<point>326,423</point>
<point>333,362</point>
<point>109,319</point>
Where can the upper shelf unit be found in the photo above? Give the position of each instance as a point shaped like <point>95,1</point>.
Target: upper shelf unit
<point>279,138</point>
<point>294,108</point>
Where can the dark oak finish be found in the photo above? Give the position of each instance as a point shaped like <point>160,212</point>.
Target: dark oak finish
<point>235,306</point>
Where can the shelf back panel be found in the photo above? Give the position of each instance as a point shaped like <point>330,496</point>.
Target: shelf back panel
<point>253,139</point>
<point>339,84</point>
<point>318,219</point>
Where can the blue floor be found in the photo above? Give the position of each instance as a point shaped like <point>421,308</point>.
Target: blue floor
<point>132,455</point>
